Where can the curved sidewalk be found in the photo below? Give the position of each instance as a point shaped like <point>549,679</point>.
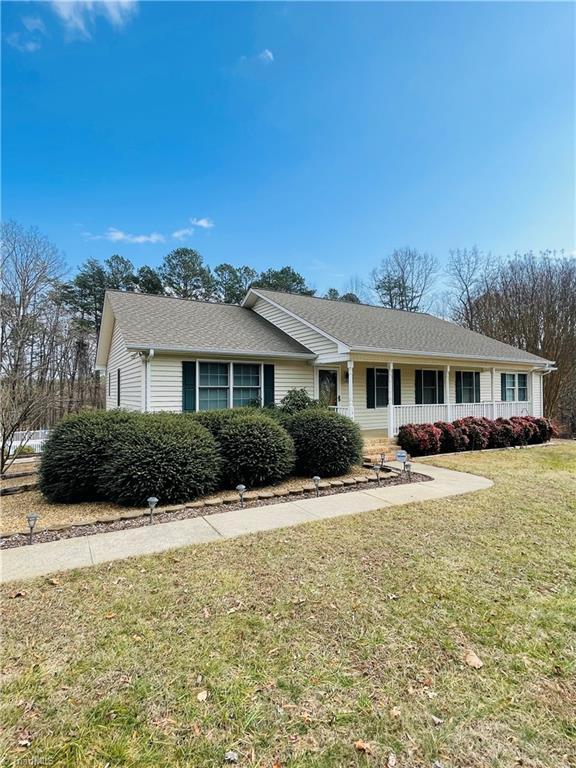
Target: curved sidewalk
<point>41,559</point>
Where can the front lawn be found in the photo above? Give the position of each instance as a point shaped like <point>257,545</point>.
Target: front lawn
<point>337,643</point>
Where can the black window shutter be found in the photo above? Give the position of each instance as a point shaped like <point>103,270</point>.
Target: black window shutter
<point>268,385</point>
<point>477,386</point>
<point>440,398</point>
<point>188,386</point>
<point>397,387</point>
<point>118,388</point>
<point>418,386</point>
<point>370,388</point>
<point>503,387</point>
<point>458,386</point>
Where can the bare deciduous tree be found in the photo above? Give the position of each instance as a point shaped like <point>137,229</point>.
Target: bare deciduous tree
<point>528,301</point>
<point>404,279</point>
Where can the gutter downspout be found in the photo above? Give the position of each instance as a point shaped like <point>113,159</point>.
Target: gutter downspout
<point>147,377</point>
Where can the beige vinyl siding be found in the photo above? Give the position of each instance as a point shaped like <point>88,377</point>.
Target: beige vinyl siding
<point>130,367</point>
<point>537,404</point>
<point>297,330</point>
<point>166,379</point>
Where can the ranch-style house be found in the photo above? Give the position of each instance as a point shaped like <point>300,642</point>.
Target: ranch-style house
<point>381,367</point>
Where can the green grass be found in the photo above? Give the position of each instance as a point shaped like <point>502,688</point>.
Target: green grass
<point>311,638</point>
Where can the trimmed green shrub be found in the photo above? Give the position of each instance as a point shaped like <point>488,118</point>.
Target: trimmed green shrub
<point>297,400</point>
<point>216,420</point>
<point>75,452</point>
<point>164,455</point>
<point>255,450</point>
<point>326,443</point>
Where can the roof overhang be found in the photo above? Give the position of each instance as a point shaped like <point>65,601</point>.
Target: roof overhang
<point>105,335</point>
<point>542,363</point>
<point>223,352</point>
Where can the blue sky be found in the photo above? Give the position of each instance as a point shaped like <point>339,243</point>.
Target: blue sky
<point>320,135</point>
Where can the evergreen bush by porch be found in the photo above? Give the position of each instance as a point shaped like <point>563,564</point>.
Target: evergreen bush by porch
<point>75,452</point>
<point>164,455</point>
<point>326,443</point>
<point>255,450</point>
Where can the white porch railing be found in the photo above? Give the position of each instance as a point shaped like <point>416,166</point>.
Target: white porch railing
<point>343,410</point>
<point>428,414</point>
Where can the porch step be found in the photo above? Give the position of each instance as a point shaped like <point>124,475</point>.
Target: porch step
<point>375,447</point>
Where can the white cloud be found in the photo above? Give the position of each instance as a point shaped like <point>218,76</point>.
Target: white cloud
<point>79,16</point>
<point>204,223</point>
<point>182,234</point>
<point>266,56</point>
<point>114,235</point>
<point>34,24</point>
<point>15,40</point>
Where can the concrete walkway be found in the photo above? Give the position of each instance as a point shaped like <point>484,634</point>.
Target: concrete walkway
<point>64,555</point>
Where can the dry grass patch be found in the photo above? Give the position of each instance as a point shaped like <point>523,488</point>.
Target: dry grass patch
<point>292,646</point>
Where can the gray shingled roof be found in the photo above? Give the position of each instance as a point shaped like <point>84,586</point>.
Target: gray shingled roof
<point>165,323</point>
<point>362,326</point>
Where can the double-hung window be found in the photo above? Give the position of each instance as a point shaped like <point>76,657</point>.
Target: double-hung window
<point>381,387</point>
<point>228,385</point>
<point>246,389</point>
<point>514,387</point>
<point>467,386</point>
<point>429,387</point>
<point>213,386</point>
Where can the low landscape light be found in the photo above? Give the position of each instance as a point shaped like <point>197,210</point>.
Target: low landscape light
<point>408,470</point>
<point>377,468</point>
<point>316,481</point>
<point>32,518</point>
<point>152,501</point>
<point>241,490</point>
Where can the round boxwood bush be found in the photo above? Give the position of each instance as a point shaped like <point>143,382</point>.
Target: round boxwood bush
<point>217,419</point>
<point>255,450</point>
<point>164,455</point>
<point>326,443</point>
<point>75,452</point>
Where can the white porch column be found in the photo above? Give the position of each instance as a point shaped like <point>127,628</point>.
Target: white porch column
<point>447,386</point>
<point>390,400</point>
<point>493,393</point>
<point>350,365</point>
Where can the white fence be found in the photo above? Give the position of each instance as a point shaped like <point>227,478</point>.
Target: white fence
<point>34,440</point>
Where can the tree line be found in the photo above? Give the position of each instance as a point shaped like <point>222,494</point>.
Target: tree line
<point>50,324</point>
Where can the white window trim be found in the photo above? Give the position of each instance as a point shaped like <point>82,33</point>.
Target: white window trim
<point>516,387</point>
<point>376,406</point>
<point>230,387</point>
<point>437,370</point>
<point>468,370</point>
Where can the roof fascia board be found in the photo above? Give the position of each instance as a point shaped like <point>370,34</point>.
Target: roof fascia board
<point>219,351</point>
<point>418,353</point>
<point>342,347</point>
<point>106,332</point>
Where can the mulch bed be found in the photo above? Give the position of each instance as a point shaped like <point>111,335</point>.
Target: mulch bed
<point>186,512</point>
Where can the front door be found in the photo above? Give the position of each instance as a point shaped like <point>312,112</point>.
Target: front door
<point>328,386</point>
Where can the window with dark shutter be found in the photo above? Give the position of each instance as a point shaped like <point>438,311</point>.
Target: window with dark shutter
<point>370,388</point>
<point>429,387</point>
<point>268,385</point>
<point>188,386</point>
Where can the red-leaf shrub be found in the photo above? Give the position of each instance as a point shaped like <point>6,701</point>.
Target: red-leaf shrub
<point>476,430</point>
<point>419,439</point>
<point>472,433</point>
<point>452,438</point>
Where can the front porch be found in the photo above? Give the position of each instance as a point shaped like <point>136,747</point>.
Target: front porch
<point>424,391</point>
